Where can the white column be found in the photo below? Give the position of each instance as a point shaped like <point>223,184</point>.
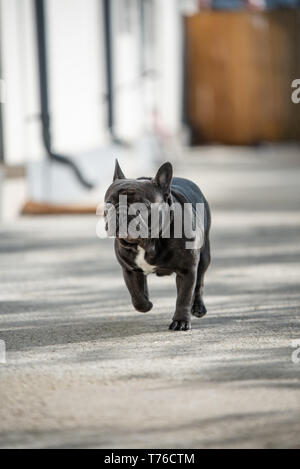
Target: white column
<point>76,74</point>
<point>169,63</point>
<point>128,104</point>
<point>21,108</point>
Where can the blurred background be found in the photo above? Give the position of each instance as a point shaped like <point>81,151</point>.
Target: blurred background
<point>85,81</point>
<point>206,85</point>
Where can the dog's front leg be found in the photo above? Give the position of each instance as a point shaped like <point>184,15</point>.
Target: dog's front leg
<point>136,283</point>
<point>185,289</point>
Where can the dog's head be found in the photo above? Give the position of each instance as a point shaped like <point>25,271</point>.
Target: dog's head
<point>134,198</point>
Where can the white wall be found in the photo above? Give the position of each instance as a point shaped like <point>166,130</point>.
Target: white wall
<point>77,75</point>
<point>77,79</point>
<point>136,97</point>
<point>20,111</point>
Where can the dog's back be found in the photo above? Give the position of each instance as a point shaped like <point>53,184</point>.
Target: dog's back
<point>189,191</point>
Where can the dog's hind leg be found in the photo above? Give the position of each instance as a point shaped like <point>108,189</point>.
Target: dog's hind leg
<point>198,309</point>
<point>136,283</point>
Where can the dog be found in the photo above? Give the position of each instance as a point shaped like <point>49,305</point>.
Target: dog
<point>160,254</point>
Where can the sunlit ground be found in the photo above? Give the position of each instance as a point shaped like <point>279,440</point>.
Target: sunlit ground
<point>84,369</point>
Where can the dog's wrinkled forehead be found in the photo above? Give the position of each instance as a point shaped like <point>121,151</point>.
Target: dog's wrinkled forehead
<point>136,190</point>
<point>143,189</point>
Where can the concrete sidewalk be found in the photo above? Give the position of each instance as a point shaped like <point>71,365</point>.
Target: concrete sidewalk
<point>85,370</point>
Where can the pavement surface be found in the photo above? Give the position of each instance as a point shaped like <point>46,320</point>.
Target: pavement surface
<point>83,369</point>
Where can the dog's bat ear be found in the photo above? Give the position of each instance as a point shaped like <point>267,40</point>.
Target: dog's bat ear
<point>163,177</point>
<point>118,174</point>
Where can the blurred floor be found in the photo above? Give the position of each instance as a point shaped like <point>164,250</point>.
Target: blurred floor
<point>85,370</point>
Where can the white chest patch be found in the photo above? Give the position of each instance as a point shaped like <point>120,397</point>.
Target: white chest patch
<point>142,263</point>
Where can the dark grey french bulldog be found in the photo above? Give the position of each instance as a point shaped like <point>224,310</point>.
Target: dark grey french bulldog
<point>162,255</point>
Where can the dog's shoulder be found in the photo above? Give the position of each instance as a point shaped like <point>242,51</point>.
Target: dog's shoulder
<point>187,189</point>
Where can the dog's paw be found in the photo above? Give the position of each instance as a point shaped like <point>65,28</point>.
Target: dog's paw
<point>180,326</point>
<point>199,309</point>
<point>143,307</point>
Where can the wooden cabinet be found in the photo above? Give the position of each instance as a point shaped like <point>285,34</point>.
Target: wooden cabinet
<point>238,76</point>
